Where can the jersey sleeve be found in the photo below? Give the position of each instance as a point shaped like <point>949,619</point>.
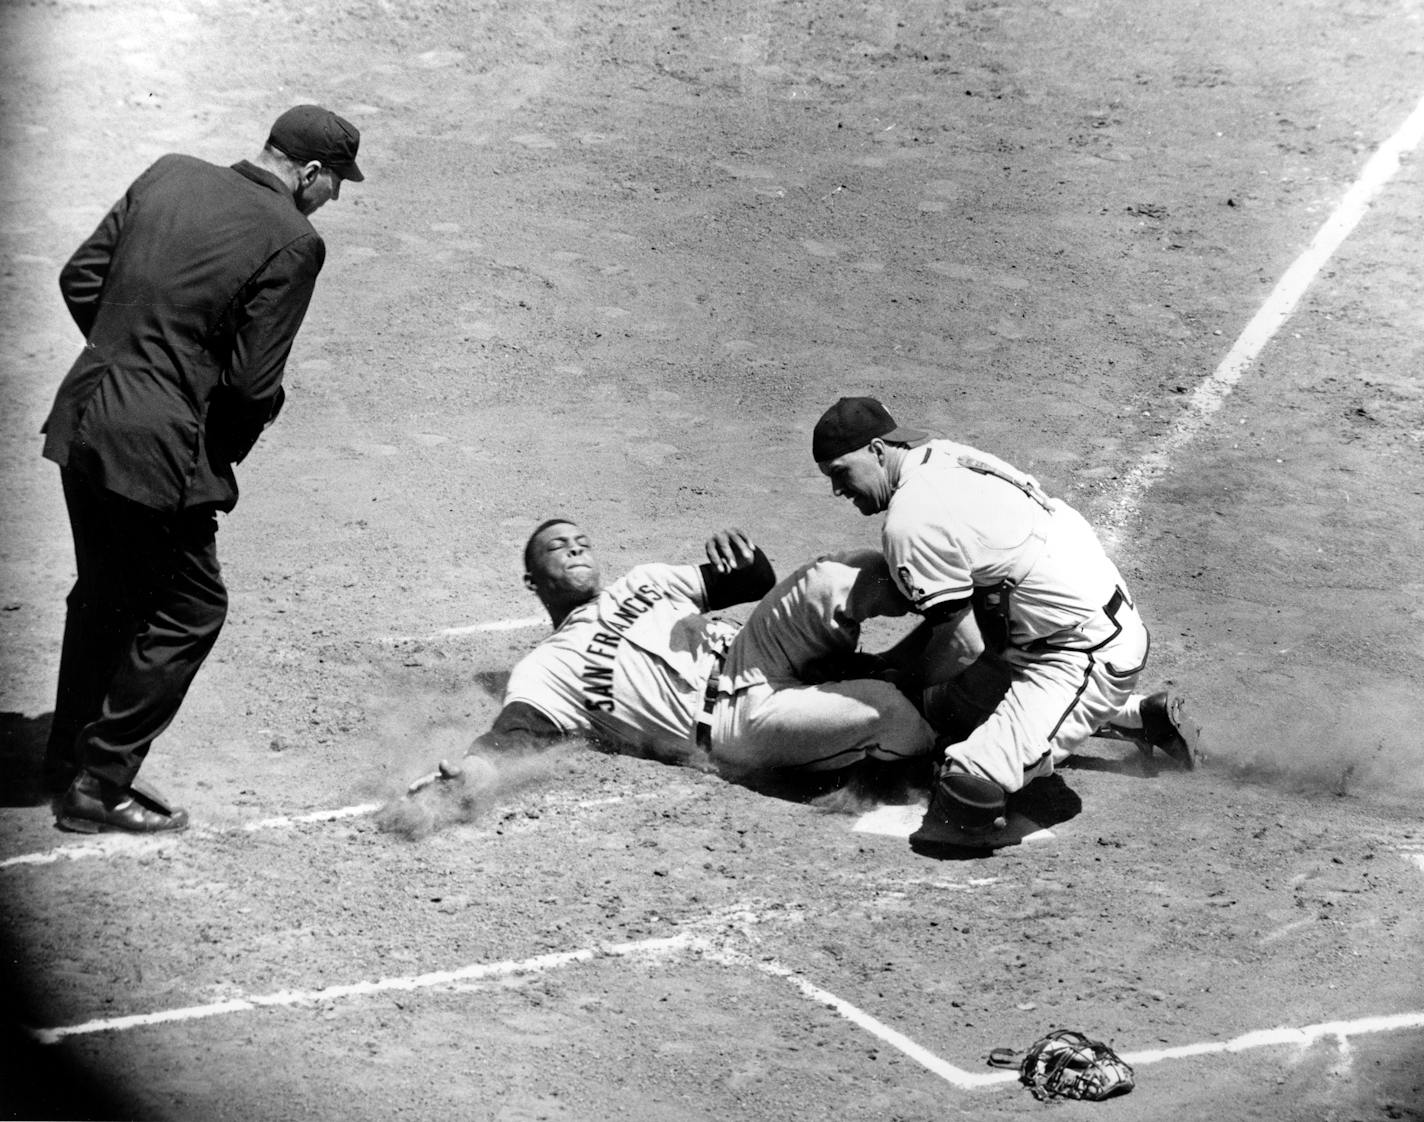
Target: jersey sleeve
<point>928,564</point>
<point>873,592</point>
<point>539,681</point>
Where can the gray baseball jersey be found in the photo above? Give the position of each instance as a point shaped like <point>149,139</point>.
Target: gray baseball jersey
<point>631,665</point>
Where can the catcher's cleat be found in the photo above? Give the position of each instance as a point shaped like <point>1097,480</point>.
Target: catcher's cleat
<point>965,813</point>
<point>1165,726</point>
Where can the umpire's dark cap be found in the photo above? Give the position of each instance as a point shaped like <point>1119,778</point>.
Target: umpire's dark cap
<point>853,422</point>
<point>309,132</point>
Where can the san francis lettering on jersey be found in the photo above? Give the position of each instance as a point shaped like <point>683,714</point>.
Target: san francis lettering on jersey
<point>602,650</point>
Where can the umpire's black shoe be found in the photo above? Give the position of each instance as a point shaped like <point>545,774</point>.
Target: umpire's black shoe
<point>1166,726</point>
<point>57,771</point>
<point>91,806</point>
<point>56,779</point>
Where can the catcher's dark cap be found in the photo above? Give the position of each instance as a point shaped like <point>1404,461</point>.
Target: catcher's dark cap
<point>309,132</point>
<point>853,422</point>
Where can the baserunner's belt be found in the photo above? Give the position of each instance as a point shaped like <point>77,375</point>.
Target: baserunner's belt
<point>703,726</point>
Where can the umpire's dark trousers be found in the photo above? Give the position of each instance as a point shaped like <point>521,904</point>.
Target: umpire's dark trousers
<point>142,616</point>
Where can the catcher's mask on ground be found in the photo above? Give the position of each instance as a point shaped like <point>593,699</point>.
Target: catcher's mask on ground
<point>1066,1064</point>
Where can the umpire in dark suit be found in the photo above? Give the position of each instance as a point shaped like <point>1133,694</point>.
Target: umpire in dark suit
<point>189,295</point>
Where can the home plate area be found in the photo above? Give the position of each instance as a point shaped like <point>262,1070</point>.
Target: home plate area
<point>1032,812</point>
<point>902,821</point>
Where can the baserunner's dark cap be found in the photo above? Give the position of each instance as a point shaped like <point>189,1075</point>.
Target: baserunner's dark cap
<point>309,132</point>
<point>853,422</point>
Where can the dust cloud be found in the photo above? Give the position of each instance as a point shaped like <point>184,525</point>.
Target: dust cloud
<point>484,782</point>
<point>416,724</point>
<point>1368,745</point>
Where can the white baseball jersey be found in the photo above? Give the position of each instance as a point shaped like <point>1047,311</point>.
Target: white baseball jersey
<point>961,519</point>
<point>631,665</point>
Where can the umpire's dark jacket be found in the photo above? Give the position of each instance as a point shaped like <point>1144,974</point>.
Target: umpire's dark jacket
<point>189,294</point>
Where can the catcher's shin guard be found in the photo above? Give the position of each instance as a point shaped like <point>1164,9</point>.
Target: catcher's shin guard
<point>966,811</point>
<point>957,707</point>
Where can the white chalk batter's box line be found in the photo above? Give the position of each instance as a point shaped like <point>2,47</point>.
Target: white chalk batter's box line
<point>525,623</point>
<point>888,821</point>
<point>715,939</point>
<point>129,845</point>
<point>124,845</point>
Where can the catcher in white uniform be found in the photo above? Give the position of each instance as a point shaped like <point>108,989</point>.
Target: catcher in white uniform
<point>641,665</point>
<point>1031,641</point>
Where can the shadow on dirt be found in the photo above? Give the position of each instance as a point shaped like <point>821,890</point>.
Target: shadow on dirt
<point>1132,763</point>
<point>22,746</point>
<point>44,1081</point>
<point>1047,801</point>
<point>864,785</point>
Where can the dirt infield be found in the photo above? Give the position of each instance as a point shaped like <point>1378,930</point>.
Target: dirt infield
<point>611,261</point>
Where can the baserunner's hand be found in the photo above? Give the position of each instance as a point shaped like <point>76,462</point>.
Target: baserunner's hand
<point>444,771</point>
<point>731,549</point>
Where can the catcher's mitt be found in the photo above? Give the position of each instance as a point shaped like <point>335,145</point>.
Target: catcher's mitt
<point>1067,1065</point>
